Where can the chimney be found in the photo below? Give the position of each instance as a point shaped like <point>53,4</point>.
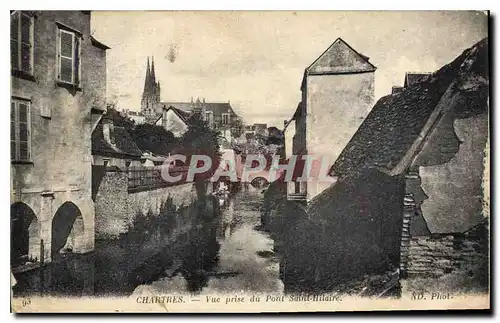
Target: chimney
<point>107,130</point>
<point>191,99</point>
<point>203,100</point>
<point>228,102</point>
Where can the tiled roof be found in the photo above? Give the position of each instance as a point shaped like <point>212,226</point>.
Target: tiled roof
<point>397,89</point>
<point>184,106</point>
<point>219,108</point>
<point>341,58</point>
<point>121,143</point>
<point>183,115</point>
<point>396,121</point>
<point>216,107</point>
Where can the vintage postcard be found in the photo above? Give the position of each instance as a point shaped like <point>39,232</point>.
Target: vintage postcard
<point>249,161</point>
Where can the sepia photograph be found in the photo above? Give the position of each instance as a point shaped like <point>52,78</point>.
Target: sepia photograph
<point>249,161</point>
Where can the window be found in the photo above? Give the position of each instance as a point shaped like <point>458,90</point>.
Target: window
<point>68,57</point>
<point>225,119</point>
<point>20,130</point>
<point>21,42</point>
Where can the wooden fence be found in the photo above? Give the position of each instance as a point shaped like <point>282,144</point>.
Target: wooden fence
<point>140,178</point>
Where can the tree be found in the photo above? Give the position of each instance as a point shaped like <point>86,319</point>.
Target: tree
<point>237,127</point>
<point>200,136</point>
<point>200,139</point>
<point>153,138</point>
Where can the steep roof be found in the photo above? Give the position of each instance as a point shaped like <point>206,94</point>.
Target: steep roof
<point>183,115</point>
<point>340,58</point>
<point>397,89</point>
<point>397,121</point>
<point>216,107</point>
<point>121,143</point>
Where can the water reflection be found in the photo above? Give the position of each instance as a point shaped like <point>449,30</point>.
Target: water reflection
<point>211,248</point>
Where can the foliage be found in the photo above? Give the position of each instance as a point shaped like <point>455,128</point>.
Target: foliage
<point>237,127</point>
<point>200,139</point>
<point>153,138</point>
<point>144,226</point>
<point>200,136</point>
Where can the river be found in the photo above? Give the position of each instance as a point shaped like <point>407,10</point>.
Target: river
<point>227,254</point>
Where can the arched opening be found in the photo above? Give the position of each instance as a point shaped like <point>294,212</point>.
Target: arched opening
<point>24,234</point>
<point>67,229</point>
<point>259,182</point>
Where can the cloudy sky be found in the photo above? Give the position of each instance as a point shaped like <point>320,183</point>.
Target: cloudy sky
<point>256,60</point>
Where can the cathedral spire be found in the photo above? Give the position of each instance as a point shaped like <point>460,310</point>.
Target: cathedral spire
<point>151,93</point>
<point>147,80</point>
<point>153,76</point>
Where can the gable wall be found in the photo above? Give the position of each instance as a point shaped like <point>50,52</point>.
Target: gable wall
<point>341,100</point>
<point>339,58</point>
<point>173,123</point>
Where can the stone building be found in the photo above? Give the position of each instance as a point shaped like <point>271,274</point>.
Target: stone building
<point>411,200</point>
<point>58,91</point>
<point>430,143</point>
<point>337,88</point>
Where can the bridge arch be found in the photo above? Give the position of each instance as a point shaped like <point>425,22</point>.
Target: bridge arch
<point>24,234</point>
<point>67,229</point>
<point>259,182</point>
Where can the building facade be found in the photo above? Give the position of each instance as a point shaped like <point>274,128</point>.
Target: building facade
<point>58,91</point>
<point>338,87</point>
<point>218,115</point>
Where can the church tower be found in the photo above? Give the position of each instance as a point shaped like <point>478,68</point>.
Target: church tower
<point>151,93</point>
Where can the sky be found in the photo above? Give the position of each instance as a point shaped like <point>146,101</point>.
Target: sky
<point>256,59</point>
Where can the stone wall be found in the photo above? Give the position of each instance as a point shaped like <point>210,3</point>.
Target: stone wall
<point>341,99</point>
<point>351,229</point>
<point>444,254</point>
<point>116,207</point>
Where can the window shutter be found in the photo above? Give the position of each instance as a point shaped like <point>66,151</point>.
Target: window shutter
<point>14,41</point>
<point>25,43</point>
<point>77,60</point>
<point>23,132</point>
<point>13,130</point>
<point>66,57</point>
